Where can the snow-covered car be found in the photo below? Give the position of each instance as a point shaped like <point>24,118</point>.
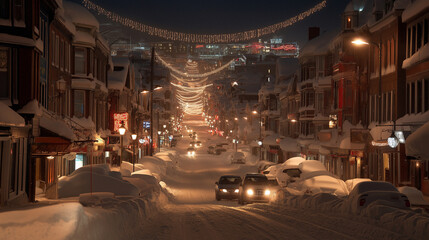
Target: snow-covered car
<point>191,151</point>
<point>376,193</point>
<point>271,172</point>
<point>238,158</point>
<point>415,196</point>
<point>288,170</point>
<point>311,177</point>
<point>262,165</point>
<point>227,187</point>
<point>351,183</point>
<point>255,187</point>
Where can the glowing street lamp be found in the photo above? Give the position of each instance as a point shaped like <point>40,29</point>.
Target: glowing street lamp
<point>360,42</point>
<point>121,130</point>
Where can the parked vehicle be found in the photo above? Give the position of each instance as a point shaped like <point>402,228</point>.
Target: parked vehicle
<point>219,150</point>
<point>382,193</point>
<point>198,144</point>
<point>311,177</point>
<point>227,187</point>
<point>211,150</point>
<point>238,158</point>
<point>192,144</point>
<point>255,187</point>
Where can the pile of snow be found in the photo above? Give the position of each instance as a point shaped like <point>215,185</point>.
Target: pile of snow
<point>313,178</point>
<point>101,179</point>
<point>412,223</point>
<point>414,195</point>
<point>154,164</point>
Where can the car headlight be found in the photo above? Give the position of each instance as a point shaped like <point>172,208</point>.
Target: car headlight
<point>236,190</point>
<point>250,192</point>
<point>267,192</point>
<point>189,153</point>
<point>224,190</point>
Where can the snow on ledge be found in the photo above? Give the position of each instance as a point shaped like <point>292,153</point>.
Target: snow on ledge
<point>421,55</point>
<point>10,118</point>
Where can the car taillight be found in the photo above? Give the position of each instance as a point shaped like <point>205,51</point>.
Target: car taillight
<point>362,202</point>
<point>407,203</point>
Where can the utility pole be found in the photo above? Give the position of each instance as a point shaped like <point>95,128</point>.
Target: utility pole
<point>152,62</point>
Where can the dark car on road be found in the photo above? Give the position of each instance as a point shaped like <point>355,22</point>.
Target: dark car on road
<point>255,187</point>
<point>227,187</point>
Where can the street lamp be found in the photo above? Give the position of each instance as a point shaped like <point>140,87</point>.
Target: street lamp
<point>360,42</point>
<point>159,141</point>
<point>121,132</point>
<point>134,137</point>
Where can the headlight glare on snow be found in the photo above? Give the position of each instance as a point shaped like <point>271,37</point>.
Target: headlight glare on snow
<point>267,192</point>
<point>250,192</point>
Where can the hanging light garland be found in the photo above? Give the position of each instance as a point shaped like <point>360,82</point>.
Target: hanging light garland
<point>188,75</point>
<point>203,38</point>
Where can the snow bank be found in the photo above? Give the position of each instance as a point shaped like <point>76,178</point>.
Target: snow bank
<point>102,181</point>
<point>414,195</point>
<point>414,224</point>
<point>52,222</point>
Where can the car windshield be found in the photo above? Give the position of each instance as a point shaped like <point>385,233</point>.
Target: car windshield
<point>229,180</point>
<point>293,172</point>
<point>256,179</point>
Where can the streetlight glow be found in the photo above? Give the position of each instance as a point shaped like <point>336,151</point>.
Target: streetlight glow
<point>359,42</point>
<point>122,129</point>
<point>134,136</point>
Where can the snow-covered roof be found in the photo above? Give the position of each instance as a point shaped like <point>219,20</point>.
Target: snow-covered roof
<point>416,144</point>
<point>10,118</point>
<point>32,107</point>
<point>57,126</point>
<point>289,145</point>
<point>285,67</point>
<point>117,78</point>
<point>79,83</point>
<point>84,37</point>
<point>319,45</point>
<point>79,15</point>
<point>415,8</point>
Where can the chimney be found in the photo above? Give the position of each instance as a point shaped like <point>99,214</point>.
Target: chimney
<point>313,32</point>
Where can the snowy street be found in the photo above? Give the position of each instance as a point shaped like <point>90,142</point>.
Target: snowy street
<point>197,215</point>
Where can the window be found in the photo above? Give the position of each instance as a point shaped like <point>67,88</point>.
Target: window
<point>79,61</point>
<point>53,47</point>
<point>5,73</point>
<point>66,56</point>
<point>43,95</point>
<point>349,22</point>
<point>419,36</point>
<point>91,62</point>
<point>413,98</point>
<point>19,13</point>
<point>4,12</point>
<point>57,51</point>
<point>425,32</point>
<point>62,55</point>
<point>419,97</point>
<point>426,95</point>
<point>408,99</point>
<point>408,42</point>
<point>79,103</point>
<point>413,42</point>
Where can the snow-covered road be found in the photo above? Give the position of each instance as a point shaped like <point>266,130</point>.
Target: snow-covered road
<point>197,215</point>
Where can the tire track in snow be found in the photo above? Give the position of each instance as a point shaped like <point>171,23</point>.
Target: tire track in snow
<point>360,230</point>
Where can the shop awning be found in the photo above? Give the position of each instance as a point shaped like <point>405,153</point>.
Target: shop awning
<point>9,118</point>
<point>416,144</point>
<point>42,145</point>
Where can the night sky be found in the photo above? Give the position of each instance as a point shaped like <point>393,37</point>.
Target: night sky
<point>223,16</point>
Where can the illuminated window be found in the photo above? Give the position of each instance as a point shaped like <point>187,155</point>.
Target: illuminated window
<point>349,22</point>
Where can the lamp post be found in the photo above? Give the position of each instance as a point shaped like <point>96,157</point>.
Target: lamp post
<point>260,132</point>
<point>360,42</point>
<point>121,132</point>
<point>159,141</point>
<point>134,137</point>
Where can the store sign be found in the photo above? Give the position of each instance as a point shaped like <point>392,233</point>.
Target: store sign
<point>118,118</point>
<point>146,124</point>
